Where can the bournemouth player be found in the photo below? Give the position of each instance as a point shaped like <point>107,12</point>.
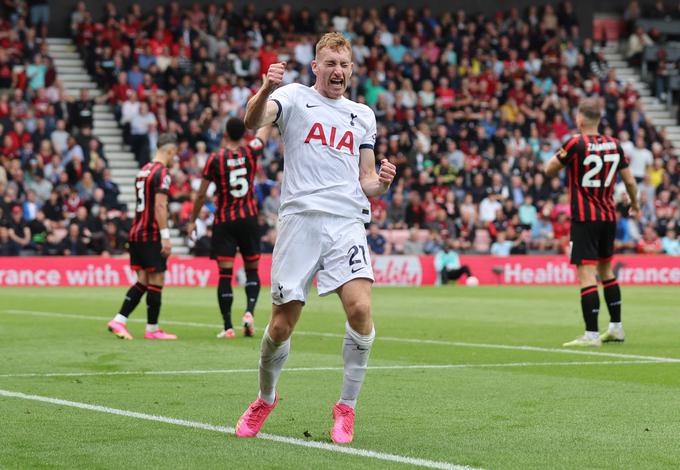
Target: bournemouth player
<point>149,242</point>
<point>232,168</point>
<point>592,162</point>
<point>330,171</point>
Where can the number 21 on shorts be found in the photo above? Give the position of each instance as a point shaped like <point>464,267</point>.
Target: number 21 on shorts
<point>356,262</point>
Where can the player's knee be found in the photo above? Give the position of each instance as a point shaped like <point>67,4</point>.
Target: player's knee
<point>142,278</point>
<point>359,310</point>
<point>279,329</point>
<point>605,271</point>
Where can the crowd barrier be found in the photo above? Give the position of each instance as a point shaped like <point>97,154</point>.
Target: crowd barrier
<point>388,270</point>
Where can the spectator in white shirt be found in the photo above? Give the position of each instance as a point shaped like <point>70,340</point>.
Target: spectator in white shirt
<point>359,50</point>
<point>59,137</point>
<point>241,93</point>
<point>488,208</point>
<point>636,45</point>
<point>626,144</point>
<point>73,150</point>
<point>640,159</point>
<point>290,74</point>
<point>304,51</point>
<point>140,126</point>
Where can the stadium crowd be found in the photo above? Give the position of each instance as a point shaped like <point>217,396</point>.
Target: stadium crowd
<point>469,108</point>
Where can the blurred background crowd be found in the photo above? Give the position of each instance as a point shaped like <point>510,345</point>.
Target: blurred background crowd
<point>469,108</point>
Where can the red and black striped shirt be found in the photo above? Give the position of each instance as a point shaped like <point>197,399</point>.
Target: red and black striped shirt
<point>233,172</point>
<point>592,162</point>
<point>152,178</point>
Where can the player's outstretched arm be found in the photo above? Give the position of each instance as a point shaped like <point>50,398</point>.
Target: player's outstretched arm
<point>374,183</point>
<point>554,166</point>
<point>263,133</point>
<point>198,205</point>
<point>161,211</point>
<point>259,110</point>
<point>631,189</point>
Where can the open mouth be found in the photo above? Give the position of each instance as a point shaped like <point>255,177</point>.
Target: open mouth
<point>337,81</point>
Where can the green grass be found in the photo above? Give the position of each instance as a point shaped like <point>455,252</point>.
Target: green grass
<point>525,417</point>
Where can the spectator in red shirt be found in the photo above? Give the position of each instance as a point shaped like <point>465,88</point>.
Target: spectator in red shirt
<point>378,211</point>
<point>559,127</point>
<point>445,94</point>
<point>121,91</point>
<point>561,229</point>
<point>518,92</point>
<point>267,56</point>
<point>18,136</point>
<point>650,243</point>
<point>161,39</point>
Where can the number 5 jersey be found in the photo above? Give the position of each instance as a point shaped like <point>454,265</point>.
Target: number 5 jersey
<point>233,172</point>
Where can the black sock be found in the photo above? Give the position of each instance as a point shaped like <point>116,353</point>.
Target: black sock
<point>590,305</point>
<point>132,298</point>
<point>225,296</point>
<point>153,304</point>
<point>612,295</point>
<point>252,289</point>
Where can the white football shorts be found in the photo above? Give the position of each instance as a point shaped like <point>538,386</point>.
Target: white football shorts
<point>311,243</point>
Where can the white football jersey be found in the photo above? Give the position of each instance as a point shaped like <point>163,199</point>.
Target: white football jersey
<point>322,138</point>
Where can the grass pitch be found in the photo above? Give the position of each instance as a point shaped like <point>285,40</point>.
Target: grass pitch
<point>453,383</point>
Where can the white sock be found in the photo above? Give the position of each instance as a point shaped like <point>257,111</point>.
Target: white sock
<point>614,326</point>
<point>272,358</point>
<point>120,318</point>
<point>355,351</point>
<point>151,328</point>
<point>592,334</point>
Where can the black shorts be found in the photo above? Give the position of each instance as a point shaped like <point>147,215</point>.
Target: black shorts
<point>592,242</point>
<point>147,256</point>
<point>241,233</point>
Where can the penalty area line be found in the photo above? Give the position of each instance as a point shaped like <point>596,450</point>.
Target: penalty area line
<point>353,451</point>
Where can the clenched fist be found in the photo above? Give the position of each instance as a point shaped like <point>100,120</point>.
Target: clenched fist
<point>387,172</point>
<point>274,76</point>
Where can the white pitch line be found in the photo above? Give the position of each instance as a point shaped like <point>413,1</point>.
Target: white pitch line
<point>325,369</point>
<point>229,430</point>
<point>381,338</point>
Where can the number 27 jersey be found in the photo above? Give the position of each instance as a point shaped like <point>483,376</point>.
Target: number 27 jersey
<point>592,162</point>
<point>233,172</point>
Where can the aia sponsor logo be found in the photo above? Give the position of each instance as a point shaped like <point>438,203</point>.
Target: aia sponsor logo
<point>331,137</point>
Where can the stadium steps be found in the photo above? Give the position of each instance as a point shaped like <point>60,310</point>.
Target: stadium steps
<point>71,72</point>
<point>653,108</point>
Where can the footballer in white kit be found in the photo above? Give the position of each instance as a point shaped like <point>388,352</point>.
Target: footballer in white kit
<point>323,208</point>
<point>329,173</point>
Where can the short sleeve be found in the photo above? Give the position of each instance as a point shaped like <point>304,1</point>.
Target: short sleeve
<point>256,147</point>
<point>207,173</point>
<point>284,98</point>
<point>566,153</point>
<point>164,180</point>
<point>368,142</point>
<point>624,162</point>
